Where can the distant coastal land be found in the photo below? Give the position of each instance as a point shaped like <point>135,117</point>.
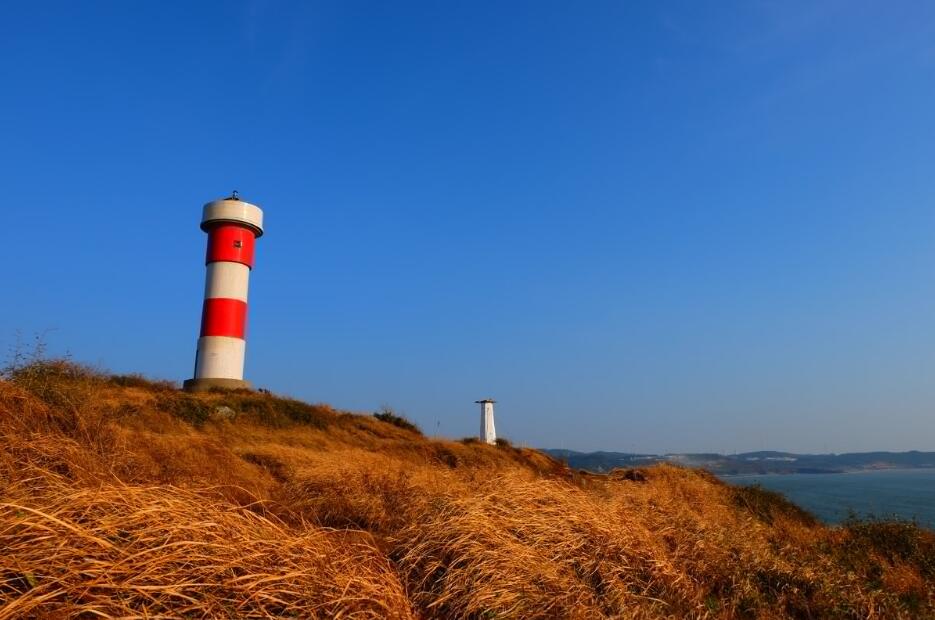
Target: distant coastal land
<point>764,462</point>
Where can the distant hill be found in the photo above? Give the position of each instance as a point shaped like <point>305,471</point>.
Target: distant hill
<point>764,462</point>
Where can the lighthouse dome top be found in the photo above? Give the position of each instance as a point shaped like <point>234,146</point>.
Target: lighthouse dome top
<point>232,210</point>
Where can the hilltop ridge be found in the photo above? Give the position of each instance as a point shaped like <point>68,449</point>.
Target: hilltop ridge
<point>124,497</point>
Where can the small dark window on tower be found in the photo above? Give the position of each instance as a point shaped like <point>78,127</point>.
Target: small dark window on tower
<point>238,243</point>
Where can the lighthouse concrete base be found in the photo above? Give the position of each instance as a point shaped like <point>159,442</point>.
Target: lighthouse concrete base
<point>206,385</point>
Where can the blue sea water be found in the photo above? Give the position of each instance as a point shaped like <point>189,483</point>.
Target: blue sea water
<point>907,493</point>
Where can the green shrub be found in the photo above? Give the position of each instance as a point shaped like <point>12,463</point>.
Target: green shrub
<point>136,380</point>
<point>55,381</point>
<point>277,412</point>
<point>71,392</point>
<point>185,406</point>
<point>893,539</point>
<point>389,416</point>
<point>444,455</point>
<point>67,387</point>
<point>767,505</point>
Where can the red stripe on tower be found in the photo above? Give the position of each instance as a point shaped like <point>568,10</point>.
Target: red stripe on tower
<point>230,242</point>
<point>224,317</point>
<point>233,227</point>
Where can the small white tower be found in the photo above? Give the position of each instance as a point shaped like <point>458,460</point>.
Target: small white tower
<point>488,433</point>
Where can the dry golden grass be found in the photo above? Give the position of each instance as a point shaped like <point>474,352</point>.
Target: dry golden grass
<point>124,498</point>
<point>120,551</point>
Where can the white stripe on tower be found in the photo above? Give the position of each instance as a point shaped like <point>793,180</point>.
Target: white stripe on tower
<point>220,357</point>
<point>227,280</point>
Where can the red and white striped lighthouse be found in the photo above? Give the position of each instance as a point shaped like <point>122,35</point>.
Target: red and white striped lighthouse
<point>233,227</point>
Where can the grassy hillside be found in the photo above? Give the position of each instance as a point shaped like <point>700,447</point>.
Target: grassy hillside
<point>121,497</point>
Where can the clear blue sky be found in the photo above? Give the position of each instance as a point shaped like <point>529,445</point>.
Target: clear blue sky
<point>640,226</point>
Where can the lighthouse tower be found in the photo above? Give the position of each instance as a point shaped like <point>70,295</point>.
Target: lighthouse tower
<point>233,227</point>
<point>488,434</point>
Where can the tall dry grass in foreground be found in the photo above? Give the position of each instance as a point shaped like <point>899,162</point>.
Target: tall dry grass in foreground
<point>121,497</point>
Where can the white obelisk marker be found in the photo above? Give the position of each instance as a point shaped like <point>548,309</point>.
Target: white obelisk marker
<point>488,433</point>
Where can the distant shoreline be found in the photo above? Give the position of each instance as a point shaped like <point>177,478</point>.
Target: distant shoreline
<point>818,473</point>
<point>906,494</point>
<point>754,463</point>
